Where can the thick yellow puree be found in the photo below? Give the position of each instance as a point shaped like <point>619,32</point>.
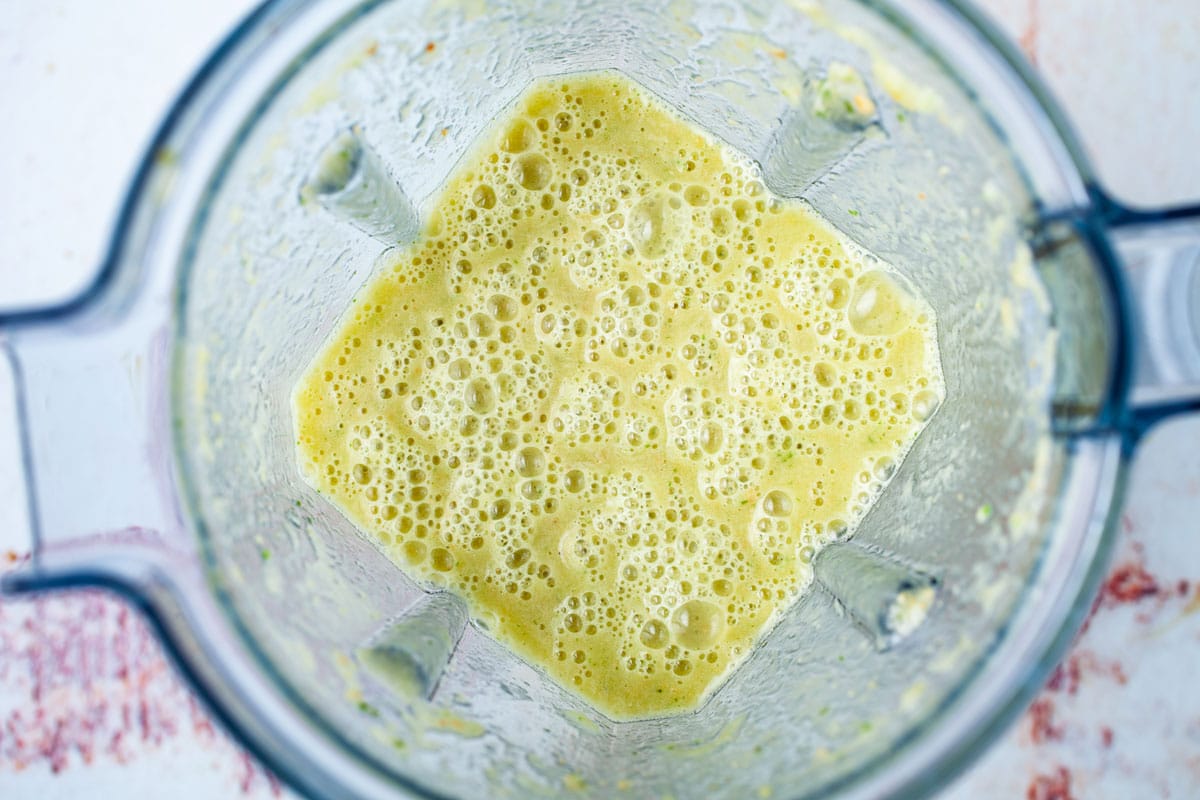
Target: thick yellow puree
<point>617,395</point>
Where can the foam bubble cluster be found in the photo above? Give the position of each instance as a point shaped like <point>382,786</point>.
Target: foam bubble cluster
<point>617,395</point>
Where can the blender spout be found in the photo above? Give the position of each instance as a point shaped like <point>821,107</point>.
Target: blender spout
<point>886,598</point>
<point>410,654</point>
<point>352,182</point>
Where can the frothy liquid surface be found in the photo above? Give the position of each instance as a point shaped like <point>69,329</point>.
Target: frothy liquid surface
<point>617,396</point>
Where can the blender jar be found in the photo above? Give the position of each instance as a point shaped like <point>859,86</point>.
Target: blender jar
<point>157,435</point>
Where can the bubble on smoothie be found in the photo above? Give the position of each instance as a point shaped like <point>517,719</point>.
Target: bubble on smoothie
<point>533,171</point>
<point>924,403</point>
<point>879,306</point>
<point>518,136</point>
<point>697,624</point>
<point>652,225</point>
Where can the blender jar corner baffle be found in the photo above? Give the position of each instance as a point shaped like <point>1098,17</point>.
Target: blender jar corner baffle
<point>157,437</point>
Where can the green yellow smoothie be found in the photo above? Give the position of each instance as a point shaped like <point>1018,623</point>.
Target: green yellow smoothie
<point>617,396</point>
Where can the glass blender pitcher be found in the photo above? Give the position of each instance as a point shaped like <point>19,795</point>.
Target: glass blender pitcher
<point>155,407</point>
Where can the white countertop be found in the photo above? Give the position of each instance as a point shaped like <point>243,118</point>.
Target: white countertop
<point>83,85</point>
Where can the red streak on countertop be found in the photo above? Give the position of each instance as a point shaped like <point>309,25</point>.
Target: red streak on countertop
<point>1028,40</point>
<point>1041,721</point>
<point>82,678</point>
<point>1068,675</point>
<point>1056,786</point>
<point>1128,583</point>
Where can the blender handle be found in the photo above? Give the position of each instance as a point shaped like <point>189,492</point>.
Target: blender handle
<point>87,374</point>
<point>1159,254</point>
<point>98,520</point>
